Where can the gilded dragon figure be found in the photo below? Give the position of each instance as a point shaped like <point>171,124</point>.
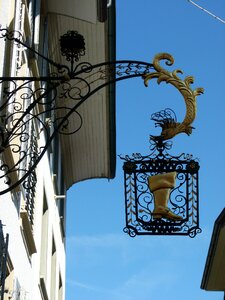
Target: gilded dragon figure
<point>170,128</point>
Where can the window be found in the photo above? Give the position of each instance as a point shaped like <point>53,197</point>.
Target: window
<point>29,191</point>
<point>3,260</point>
<point>44,240</point>
<point>60,296</point>
<point>9,280</point>
<point>53,272</point>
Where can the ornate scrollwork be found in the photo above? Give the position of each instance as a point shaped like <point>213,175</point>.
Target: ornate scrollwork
<point>183,198</point>
<point>171,127</point>
<point>11,35</point>
<point>53,108</point>
<point>72,46</point>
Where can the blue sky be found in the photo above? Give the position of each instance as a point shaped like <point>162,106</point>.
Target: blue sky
<point>102,261</point>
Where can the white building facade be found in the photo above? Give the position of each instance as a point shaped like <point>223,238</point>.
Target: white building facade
<point>33,213</point>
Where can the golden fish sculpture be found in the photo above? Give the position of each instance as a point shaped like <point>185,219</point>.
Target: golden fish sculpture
<point>170,129</point>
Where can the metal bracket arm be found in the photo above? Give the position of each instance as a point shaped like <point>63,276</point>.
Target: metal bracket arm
<point>30,106</point>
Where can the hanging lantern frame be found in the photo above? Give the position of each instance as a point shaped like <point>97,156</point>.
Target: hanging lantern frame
<point>139,200</point>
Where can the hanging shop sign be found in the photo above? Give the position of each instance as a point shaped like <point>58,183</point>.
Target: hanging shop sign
<point>162,190</point>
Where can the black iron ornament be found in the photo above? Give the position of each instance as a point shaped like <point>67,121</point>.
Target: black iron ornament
<point>28,109</point>
<point>72,46</point>
<point>50,106</point>
<point>161,192</point>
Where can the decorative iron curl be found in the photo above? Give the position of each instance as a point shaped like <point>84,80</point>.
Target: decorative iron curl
<point>172,128</point>
<point>194,231</point>
<point>83,67</point>
<point>130,231</point>
<point>66,125</point>
<point>11,35</point>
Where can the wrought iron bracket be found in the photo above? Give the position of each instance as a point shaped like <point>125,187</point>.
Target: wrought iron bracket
<point>49,103</point>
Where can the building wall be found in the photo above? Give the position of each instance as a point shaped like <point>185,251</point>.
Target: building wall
<point>33,214</point>
<point>36,235</point>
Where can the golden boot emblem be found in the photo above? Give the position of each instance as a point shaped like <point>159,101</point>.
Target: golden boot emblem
<point>160,185</point>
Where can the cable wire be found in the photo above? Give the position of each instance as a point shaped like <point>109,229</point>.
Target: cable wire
<point>206,11</point>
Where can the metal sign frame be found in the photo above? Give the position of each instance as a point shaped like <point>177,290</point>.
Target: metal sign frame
<point>183,199</point>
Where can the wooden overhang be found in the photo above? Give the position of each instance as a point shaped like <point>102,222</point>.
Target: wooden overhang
<point>90,152</point>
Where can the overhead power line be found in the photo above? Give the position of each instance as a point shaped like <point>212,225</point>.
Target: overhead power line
<point>206,11</point>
